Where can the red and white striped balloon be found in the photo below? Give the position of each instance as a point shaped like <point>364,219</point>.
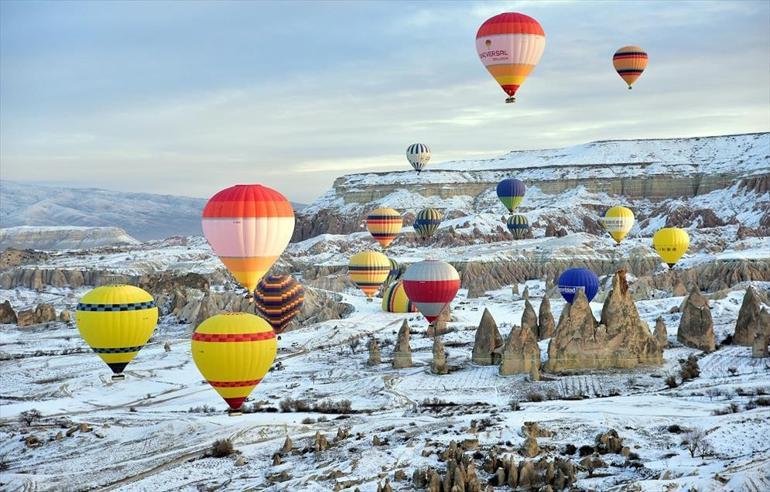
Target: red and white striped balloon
<point>431,285</point>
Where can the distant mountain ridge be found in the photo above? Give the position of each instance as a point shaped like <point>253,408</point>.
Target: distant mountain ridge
<point>144,216</point>
<point>63,237</point>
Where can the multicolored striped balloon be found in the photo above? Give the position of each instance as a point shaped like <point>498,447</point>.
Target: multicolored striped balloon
<point>431,285</point>
<point>418,156</point>
<point>278,299</point>
<point>511,191</point>
<point>384,224</point>
<point>233,352</point>
<point>518,225</point>
<point>368,270</point>
<point>248,227</point>
<point>618,221</point>
<point>116,321</point>
<point>426,223</point>
<point>510,45</point>
<point>630,62</point>
<point>395,300</point>
<point>394,273</point>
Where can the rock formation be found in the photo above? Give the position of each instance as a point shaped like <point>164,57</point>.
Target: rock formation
<point>521,354</point>
<point>374,352</point>
<point>747,325</point>
<point>7,314</point>
<point>402,352</point>
<point>43,313</point>
<point>621,340</point>
<point>530,449</point>
<point>488,341</point>
<point>546,326</point>
<point>661,334</point>
<point>529,318</point>
<point>439,327</point>
<point>762,338</point>
<point>696,328</point>
<point>438,365</point>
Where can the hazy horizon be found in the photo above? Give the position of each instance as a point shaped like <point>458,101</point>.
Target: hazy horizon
<point>188,98</point>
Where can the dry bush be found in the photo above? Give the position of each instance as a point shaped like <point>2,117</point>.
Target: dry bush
<point>535,396</point>
<point>671,381</point>
<point>695,442</point>
<point>689,368</point>
<point>222,448</point>
<point>30,416</point>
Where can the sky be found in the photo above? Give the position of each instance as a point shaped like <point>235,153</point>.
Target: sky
<point>189,97</point>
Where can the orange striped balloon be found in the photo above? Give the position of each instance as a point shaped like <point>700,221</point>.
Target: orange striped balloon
<point>248,227</point>
<point>368,270</point>
<point>384,224</point>
<point>233,352</point>
<point>630,62</point>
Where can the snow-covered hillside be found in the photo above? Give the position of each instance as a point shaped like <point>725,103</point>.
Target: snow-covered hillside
<point>63,237</point>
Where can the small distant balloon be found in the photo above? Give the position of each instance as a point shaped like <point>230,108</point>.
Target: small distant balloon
<point>630,62</point>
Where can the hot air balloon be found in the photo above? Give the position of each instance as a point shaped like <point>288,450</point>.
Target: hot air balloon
<point>518,225</point>
<point>426,223</point>
<point>394,273</point>
<point>671,243</point>
<point>233,352</point>
<point>510,45</point>
<point>431,285</point>
<point>394,299</point>
<point>384,224</point>
<point>418,156</point>
<point>511,191</point>
<point>116,321</point>
<point>278,299</point>
<point>368,270</point>
<point>578,278</point>
<point>618,221</point>
<point>248,227</point>
<point>630,62</point>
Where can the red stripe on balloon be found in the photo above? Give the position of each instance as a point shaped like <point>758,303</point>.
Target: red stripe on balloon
<point>233,337</point>
<point>431,291</point>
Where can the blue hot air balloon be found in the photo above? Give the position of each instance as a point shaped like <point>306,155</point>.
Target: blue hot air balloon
<point>511,191</point>
<point>578,278</point>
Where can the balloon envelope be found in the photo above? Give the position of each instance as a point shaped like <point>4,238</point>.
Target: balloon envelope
<point>431,285</point>
<point>384,224</point>
<point>426,222</point>
<point>278,299</point>
<point>574,279</point>
<point>511,191</point>
<point>418,156</point>
<point>233,352</point>
<point>618,221</point>
<point>510,45</point>
<point>368,270</point>
<point>395,300</point>
<point>518,225</point>
<point>116,321</point>
<point>248,227</point>
<point>630,62</point>
<point>671,243</point>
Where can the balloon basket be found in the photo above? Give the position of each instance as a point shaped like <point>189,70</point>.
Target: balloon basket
<point>234,413</point>
<point>510,99</point>
<point>369,299</point>
<point>119,377</point>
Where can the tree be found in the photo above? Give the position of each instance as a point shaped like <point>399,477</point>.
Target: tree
<point>696,444</point>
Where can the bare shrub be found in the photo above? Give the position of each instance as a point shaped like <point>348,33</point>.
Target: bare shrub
<point>222,448</point>
<point>689,369</point>
<point>731,408</point>
<point>671,381</point>
<point>30,416</point>
<point>514,405</point>
<point>535,396</point>
<point>732,370</point>
<point>695,442</point>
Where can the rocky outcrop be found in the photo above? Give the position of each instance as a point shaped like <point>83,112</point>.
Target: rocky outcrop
<point>748,324</point>
<point>43,313</point>
<point>696,328</point>
<point>546,326</point>
<point>438,364</point>
<point>7,314</point>
<point>439,326</point>
<point>759,346</point>
<point>529,318</point>
<point>520,354</point>
<point>374,352</point>
<point>620,340</point>
<point>487,342</point>
<point>402,352</point>
<point>661,333</point>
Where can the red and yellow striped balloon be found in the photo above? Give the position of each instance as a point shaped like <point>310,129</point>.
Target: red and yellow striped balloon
<point>233,352</point>
<point>510,46</point>
<point>368,270</point>
<point>384,224</point>
<point>630,62</point>
<point>248,227</point>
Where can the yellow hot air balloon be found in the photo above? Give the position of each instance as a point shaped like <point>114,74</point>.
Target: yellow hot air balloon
<point>618,221</point>
<point>233,352</point>
<point>384,224</point>
<point>671,243</point>
<point>116,321</point>
<point>368,270</point>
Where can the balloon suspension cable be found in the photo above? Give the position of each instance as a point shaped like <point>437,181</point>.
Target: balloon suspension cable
<point>119,377</point>
<point>513,99</point>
